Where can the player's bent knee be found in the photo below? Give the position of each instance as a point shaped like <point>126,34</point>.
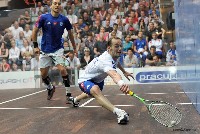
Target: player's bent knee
<point>95,90</point>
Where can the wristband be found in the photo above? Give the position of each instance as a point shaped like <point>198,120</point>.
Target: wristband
<point>120,83</point>
<point>35,44</point>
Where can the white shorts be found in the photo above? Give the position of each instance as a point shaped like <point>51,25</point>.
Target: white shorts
<point>52,59</point>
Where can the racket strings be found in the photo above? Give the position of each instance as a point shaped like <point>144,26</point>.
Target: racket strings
<point>165,113</point>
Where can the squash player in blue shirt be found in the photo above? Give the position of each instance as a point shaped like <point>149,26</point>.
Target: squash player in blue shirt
<point>53,25</point>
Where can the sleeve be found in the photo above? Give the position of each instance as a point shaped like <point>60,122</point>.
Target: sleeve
<point>68,25</point>
<point>40,21</point>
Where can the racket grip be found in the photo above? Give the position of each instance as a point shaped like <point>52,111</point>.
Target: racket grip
<point>131,93</point>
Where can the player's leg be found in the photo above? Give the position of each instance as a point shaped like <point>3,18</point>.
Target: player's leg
<point>122,116</point>
<point>95,89</point>
<point>45,63</point>
<point>66,80</point>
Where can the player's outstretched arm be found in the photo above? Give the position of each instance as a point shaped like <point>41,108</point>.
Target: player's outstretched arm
<point>118,80</point>
<point>126,74</point>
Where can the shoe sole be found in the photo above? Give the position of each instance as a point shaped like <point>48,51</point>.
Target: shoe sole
<point>51,95</point>
<point>124,121</point>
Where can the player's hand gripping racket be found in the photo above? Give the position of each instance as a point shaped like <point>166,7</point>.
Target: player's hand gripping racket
<point>163,112</point>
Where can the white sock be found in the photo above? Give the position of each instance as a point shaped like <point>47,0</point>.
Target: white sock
<point>116,110</point>
<point>75,100</point>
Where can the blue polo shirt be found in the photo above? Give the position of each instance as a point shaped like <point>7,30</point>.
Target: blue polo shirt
<point>53,29</point>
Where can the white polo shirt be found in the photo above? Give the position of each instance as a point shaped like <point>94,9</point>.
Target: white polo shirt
<point>97,68</point>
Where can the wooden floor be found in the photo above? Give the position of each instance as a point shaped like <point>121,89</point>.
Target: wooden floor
<point>27,111</point>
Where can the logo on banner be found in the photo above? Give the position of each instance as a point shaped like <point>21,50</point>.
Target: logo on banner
<point>167,76</point>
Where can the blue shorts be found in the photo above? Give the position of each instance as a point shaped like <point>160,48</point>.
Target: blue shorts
<point>87,85</point>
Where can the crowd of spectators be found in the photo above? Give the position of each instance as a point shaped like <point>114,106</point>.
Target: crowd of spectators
<point>136,22</point>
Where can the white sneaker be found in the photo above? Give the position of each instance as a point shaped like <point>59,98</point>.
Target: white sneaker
<point>123,117</point>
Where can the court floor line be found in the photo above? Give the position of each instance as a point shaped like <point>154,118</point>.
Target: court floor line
<point>22,97</point>
<point>86,101</point>
<point>82,106</point>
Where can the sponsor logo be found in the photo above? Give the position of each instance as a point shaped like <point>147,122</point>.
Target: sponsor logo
<point>167,76</point>
<point>61,24</point>
<point>25,80</point>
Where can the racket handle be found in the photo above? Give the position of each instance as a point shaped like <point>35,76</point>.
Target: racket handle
<point>131,93</point>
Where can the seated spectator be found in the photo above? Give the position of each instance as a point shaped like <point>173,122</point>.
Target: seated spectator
<point>27,50</point>
<point>89,43</point>
<point>127,44</point>
<point>105,34</point>
<point>86,5</point>
<point>26,17</point>
<point>19,42</point>
<point>159,30</point>
<point>15,29</point>
<point>171,55</point>
<point>72,61</point>
<point>35,62</point>
<point>3,51</point>
<point>86,59</point>
<point>130,59</point>
<point>149,32</point>
<point>149,59</point>
<point>157,43</point>
<point>157,61</point>
<point>5,66</point>
<point>115,29</point>
<point>87,20</point>
<point>72,17</point>
<point>14,54</point>
<point>15,68</point>
<point>27,31</point>
<point>107,27</point>
<point>100,46</point>
<point>140,48</point>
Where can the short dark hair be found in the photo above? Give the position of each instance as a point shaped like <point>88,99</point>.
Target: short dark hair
<point>110,41</point>
<point>152,47</point>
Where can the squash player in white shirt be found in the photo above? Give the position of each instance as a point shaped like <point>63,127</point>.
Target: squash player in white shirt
<point>91,81</point>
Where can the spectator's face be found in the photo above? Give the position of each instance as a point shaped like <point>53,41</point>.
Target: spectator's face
<point>102,30</point>
<point>154,36</point>
<point>130,20</point>
<point>85,15</point>
<point>14,66</point>
<point>115,27</point>
<point>152,50</point>
<point>27,28</point>
<point>151,26</point>
<point>172,45</point>
<point>13,43</point>
<point>70,11</point>
<point>16,24</point>
<point>71,56</point>
<point>140,34</point>
<point>39,4</point>
<point>107,23</point>
<point>130,53</point>
<point>155,59</point>
<point>65,44</point>
<point>56,6</point>
<point>128,38</point>
<point>25,43</point>
<point>21,34</point>
<point>142,13</point>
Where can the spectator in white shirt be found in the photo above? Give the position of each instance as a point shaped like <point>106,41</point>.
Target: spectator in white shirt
<point>72,62</point>
<point>15,29</point>
<point>72,17</point>
<point>27,31</point>
<point>157,43</point>
<point>14,53</point>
